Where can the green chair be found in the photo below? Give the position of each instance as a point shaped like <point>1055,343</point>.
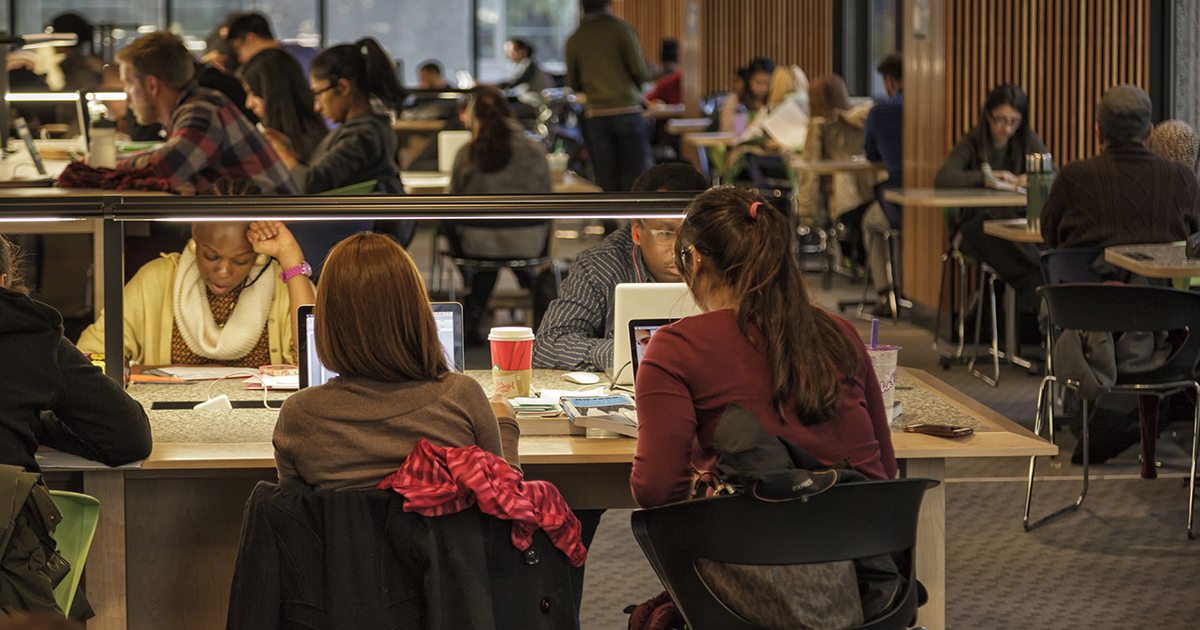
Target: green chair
<point>361,188</point>
<point>74,536</point>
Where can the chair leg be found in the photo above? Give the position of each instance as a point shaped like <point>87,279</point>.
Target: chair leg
<point>1082,494</point>
<point>962,307</point>
<point>1045,406</point>
<point>937,325</point>
<point>889,265</point>
<point>1191,532</point>
<point>995,328</point>
<point>990,380</point>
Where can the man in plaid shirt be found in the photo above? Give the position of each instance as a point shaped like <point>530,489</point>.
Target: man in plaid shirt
<point>207,136</point>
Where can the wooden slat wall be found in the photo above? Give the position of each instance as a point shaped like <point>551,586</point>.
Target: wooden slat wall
<point>796,32</point>
<point>1063,53</point>
<point>732,32</point>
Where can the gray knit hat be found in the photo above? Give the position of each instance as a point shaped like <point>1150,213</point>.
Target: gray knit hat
<point>1124,114</point>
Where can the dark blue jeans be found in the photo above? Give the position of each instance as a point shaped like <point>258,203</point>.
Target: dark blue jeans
<point>619,148</point>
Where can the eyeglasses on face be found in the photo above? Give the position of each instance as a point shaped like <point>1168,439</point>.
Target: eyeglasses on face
<point>317,93</point>
<point>1006,122</point>
<point>662,237</point>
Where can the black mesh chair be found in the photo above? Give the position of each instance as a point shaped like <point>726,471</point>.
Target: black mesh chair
<point>846,522</point>
<point>1116,308</point>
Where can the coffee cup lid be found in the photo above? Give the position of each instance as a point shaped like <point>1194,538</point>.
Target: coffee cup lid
<point>511,333</point>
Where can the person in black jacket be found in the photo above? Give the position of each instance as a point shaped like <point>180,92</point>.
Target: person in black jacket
<point>51,394</point>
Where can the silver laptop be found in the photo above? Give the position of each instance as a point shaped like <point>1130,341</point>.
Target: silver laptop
<point>646,300</point>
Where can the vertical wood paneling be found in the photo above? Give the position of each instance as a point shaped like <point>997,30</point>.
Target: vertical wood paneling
<point>1063,53</point>
<point>732,32</point>
<point>798,32</point>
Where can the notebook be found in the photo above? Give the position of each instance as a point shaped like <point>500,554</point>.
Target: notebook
<point>448,317</point>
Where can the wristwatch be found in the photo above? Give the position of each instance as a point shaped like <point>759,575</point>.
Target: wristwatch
<point>302,269</point>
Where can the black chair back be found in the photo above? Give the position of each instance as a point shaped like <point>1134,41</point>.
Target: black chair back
<point>1124,308</point>
<point>846,522</point>
<point>1072,264</point>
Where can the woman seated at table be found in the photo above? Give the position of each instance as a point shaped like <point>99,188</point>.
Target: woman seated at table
<point>226,299</point>
<point>49,394</point>
<point>835,132</point>
<point>375,328</point>
<point>992,154</point>
<point>761,343</point>
<point>346,82</point>
<point>500,159</point>
<point>277,92</point>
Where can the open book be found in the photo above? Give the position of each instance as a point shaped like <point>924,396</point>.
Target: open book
<point>615,413</point>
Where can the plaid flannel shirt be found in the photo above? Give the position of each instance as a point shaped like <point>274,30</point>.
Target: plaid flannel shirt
<point>209,137</point>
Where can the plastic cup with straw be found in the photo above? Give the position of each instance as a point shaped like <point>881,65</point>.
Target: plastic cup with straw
<point>884,359</point>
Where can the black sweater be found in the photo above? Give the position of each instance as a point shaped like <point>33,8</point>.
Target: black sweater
<point>50,394</point>
<point>1124,196</point>
<point>962,168</point>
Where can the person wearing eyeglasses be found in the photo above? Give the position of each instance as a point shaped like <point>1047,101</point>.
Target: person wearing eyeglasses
<point>347,81</point>
<point>992,155</point>
<point>577,330</point>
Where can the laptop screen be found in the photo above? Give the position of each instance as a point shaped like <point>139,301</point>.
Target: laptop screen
<point>447,316</point>
<point>640,332</point>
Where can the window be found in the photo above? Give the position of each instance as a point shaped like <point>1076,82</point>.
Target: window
<point>123,17</point>
<point>411,31</point>
<point>545,24</point>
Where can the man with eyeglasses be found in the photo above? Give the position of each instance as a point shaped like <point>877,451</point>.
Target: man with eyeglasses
<point>577,330</point>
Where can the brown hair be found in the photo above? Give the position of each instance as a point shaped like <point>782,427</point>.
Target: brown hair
<point>808,352</point>
<point>828,94</point>
<point>373,314</point>
<point>159,54</point>
<point>491,149</point>
<point>10,265</point>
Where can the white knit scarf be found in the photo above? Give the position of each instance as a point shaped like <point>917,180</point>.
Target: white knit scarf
<point>195,320</point>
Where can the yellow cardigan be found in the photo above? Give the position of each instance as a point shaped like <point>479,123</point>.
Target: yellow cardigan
<point>149,316</point>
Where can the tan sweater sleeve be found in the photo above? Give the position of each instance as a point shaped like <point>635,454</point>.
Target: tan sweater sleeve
<point>498,436</point>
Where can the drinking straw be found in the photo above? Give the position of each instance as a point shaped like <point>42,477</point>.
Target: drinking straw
<point>874,332</point>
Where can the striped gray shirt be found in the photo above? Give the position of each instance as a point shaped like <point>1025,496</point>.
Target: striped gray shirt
<point>577,330</point>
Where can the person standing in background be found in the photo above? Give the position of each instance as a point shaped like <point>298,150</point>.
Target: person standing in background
<point>250,34</point>
<point>883,140</point>
<point>605,64</point>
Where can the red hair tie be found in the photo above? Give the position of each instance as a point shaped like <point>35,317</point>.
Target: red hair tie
<point>754,209</point>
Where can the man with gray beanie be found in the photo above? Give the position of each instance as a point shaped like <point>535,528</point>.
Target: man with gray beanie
<point>1127,194</point>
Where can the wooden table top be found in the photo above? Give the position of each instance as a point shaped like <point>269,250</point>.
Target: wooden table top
<point>680,126</point>
<point>664,112</point>
<point>955,197</point>
<point>830,167</point>
<point>711,138</point>
<point>1154,260</point>
<point>436,183</point>
<point>1015,230</point>
<point>943,403</point>
<point>419,126</point>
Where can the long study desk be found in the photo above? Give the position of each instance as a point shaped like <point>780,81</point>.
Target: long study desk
<point>164,552</point>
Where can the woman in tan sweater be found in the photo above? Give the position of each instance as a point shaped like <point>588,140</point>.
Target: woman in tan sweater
<point>375,328</point>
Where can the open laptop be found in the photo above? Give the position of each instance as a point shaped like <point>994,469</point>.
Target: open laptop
<point>448,317</point>
<point>640,301</point>
<point>640,332</point>
<point>449,142</point>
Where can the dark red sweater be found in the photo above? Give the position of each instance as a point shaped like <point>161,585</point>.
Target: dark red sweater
<point>696,366</point>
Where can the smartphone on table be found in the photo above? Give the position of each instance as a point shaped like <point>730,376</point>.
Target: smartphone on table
<point>940,430</point>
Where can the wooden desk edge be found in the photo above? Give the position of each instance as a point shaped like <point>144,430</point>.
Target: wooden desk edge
<point>1149,271</point>
<point>975,408</point>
